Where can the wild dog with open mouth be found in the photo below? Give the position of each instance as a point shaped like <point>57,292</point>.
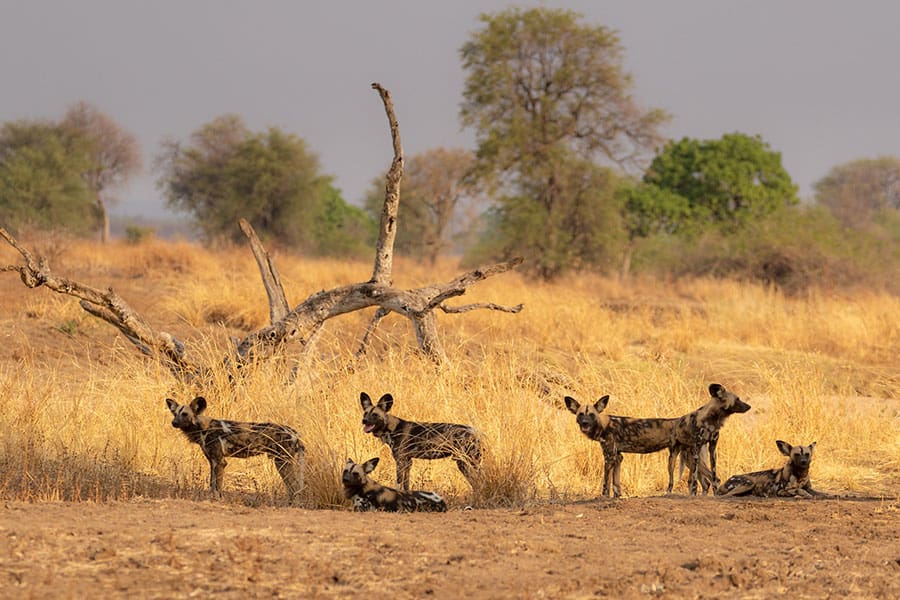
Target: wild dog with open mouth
<point>409,440</point>
<point>368,495</point>
<point>220,439</point>
<point>625,434</point>
<point>790,480</point>
<point>701,428</point>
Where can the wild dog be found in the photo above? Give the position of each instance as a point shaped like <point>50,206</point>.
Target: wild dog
<point>701,428</point>
<point>220,439</point>
<point>624,434</point>
<point>409,439</point>
<point>790,480</point>
<point>368,495</point>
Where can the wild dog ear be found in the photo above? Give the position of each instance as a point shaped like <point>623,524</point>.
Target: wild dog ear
<point>716,390</point>
<point>784,447</point>
<point>198,405</point>
<point>572,404</point>
<point>386,402</point>
<point>600,404</point>
<point>365,401</point>
<point>173,406</point>
<point>370,465</point>
<point>811,448</point>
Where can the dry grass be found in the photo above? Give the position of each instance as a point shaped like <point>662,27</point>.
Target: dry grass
<point>82,414</point>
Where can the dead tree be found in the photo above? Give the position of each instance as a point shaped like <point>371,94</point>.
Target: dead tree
<point>302,323</point>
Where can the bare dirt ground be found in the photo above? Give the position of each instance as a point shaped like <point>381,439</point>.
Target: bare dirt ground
<point>669,547</point>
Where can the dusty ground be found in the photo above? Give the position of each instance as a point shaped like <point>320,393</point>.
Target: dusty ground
<point>674,547</point>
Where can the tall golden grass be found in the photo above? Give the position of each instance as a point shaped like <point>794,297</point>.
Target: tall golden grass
<point>82,414</point>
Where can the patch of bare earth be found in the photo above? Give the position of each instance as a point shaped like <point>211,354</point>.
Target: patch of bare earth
<point>671,547</point>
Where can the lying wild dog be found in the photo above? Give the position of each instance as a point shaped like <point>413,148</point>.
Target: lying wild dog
<point>625,434</point>
<point>790,480</point>
<point>220,439</point>
<point>368,495</point>
<point>701,428</point>
<point>409,440</point>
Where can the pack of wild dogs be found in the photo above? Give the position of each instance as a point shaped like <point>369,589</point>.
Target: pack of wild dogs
<point>690,439</point>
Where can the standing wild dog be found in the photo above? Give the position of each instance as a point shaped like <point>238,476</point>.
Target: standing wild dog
<point>625,434</point>
<point>701,428</point>
<point>790,480</point>
<point>220,439</point>
<point>409,440</point>
<point>368,495</point>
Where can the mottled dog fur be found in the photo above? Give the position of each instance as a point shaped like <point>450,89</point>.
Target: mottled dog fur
<point>409,440</point>
<point>701,428</point>
<point>220,439</point>
<point>790,480</point>
<point>368,495</point>
<point>625,434</point>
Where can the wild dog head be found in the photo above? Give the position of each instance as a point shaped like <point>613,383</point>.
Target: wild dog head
<point>588,417</point>
<point>375,416</point>
<point>355,476</point>
<point>186,416</point>
<point>725,401</point>
<point>800,456</point>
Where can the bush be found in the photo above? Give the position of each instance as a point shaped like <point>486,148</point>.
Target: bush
<point>792,249</point>
<point>135,234</point>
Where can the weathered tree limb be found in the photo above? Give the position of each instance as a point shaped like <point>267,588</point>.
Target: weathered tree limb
<point>278,304</point>
<point>416,305</point>
<point>364,344</point>
<point>458,286</point>
<point>387,229</point>
<point>487,305</point>
<point>106,305</point>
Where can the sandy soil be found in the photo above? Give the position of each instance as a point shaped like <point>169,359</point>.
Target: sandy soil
<point>669,547</point>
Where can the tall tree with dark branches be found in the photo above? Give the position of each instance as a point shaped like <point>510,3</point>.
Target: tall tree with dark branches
<point>547,93</point>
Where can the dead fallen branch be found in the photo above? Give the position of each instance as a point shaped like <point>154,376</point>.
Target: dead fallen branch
<point>302,323</point>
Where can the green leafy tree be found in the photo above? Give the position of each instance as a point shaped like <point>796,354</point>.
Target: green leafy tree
<point>436,204</point>
<point>547,94</point>
<point>727,182</point>
<point>226,172</point>
<point>857,191</point>
<point>115,155</point>
<point>41,177</point>
<point>343,229</point>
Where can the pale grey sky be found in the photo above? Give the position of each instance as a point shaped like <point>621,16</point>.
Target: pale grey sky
<point>818,80</point>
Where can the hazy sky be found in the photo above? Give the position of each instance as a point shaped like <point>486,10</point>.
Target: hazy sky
<point>818,80</point>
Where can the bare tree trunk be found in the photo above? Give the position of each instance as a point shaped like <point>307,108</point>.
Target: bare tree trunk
<point>104,220</point>
<point>425,326</point>
<point>387,229</point>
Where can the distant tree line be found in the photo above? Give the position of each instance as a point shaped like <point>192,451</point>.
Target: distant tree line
<point>568,170</point>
